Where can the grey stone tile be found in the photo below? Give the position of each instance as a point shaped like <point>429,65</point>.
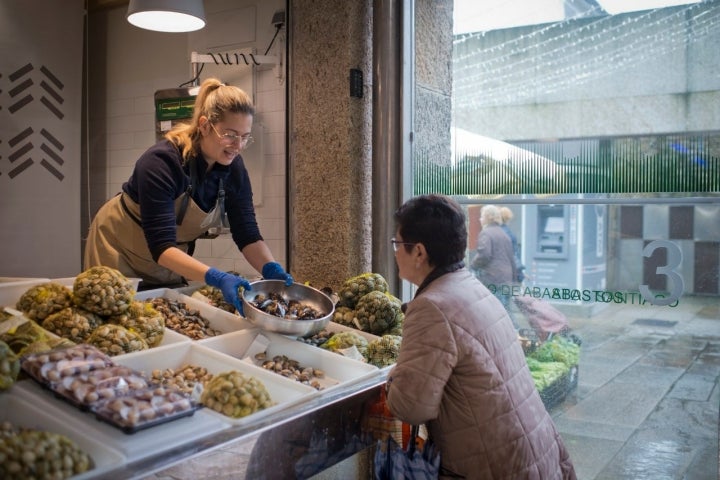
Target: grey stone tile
<point>618,404</point>
<point>583,428</point>
<point>590,455</point>
<point>650,374</point>
<point>693,387</point>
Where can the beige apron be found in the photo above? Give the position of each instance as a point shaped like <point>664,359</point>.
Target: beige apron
<point>116,239</point>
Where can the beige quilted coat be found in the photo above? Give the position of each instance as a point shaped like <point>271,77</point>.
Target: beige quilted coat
<point>463,373</point>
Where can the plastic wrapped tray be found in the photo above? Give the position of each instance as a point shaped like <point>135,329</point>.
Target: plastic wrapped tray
<point>219,320</point>
<point>49,367</point>
<point>141,409</point>
<point>283,392</point>
<point>247,344</point>
<point>142,443</point>
<point>86,389</point>
<point>21,412</point>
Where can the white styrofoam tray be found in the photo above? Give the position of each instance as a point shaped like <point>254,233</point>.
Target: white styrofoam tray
<point>245,344</point>
<point>218,319</point>
<point>16,409</point>
<point>134,446</point>
<point>13,289</point>
<point>283,392</point>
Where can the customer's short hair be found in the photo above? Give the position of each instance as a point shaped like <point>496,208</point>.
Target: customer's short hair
<point>436,221</point>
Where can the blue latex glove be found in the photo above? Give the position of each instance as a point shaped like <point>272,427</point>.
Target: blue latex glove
<point>229,284</point>
<point>273,271</point>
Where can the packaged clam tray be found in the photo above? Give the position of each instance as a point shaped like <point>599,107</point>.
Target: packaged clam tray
<point>51,367</point>
<point>89,380</point>
<point>141,409</point>
<point>86,389</point>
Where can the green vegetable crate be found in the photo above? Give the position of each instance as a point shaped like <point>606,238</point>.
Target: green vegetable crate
<point>555,393</point>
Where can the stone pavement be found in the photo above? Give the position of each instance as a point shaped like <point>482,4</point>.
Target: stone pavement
<point>648,397</point>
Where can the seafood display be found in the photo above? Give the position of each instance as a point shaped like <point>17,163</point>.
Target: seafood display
<point>144,408</point>
<point>73,323</point>
<point>9,366</point>
<point>45,299</point>
<point>88,388</point>
<point>235,394</point>
<point>183,319</point>
<point>54,365</point>
<point>87,378</point>
<point>40,455</point>
<point>103,290</point>
<point>116,340</point>
<point>291,369</point>
<point>144,319</point>
<point>184,378</point>
<point>274,304</point>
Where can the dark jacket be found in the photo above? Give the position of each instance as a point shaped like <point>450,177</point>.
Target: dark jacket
<point>463,373</point>
<point>494,259</point>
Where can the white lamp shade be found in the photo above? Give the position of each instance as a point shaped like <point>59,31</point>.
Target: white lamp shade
<point>167,15</point>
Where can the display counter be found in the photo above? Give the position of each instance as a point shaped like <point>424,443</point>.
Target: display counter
<point>296,442</point>
<point>305,431</point>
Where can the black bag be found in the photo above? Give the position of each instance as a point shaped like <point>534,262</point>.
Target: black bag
<point>394,463</point>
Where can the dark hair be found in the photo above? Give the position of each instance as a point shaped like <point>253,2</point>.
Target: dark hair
<point>436,221</point>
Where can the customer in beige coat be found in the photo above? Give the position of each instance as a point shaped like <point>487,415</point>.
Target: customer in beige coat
<point>461,370</point>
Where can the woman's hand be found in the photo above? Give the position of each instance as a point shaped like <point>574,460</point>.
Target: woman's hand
<point>273,271</point>
<point>229,284</point>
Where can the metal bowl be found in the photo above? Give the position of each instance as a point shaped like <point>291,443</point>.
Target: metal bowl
<point>297,291</point>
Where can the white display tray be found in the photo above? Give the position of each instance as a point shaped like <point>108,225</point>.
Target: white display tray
<point>135,445</point>
<point>245,344</point>
<point>19,411</point>
<point>283,391</point>
<point>219,320</point>
<point>13,288</point>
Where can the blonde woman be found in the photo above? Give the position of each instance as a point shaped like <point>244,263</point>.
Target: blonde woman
<point>189,182</point>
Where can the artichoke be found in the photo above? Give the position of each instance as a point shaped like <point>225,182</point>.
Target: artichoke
<point>378,312</point>
<point>9,367</point>
<point>41,455</point>
<point>384,351</point>
<point>144,319</point>
<point>235,395</point>
<point>114,340</point>
<point>103,290</point>
<point>343,340</point>
<point>356,287</point>
<point>42,300</point>
<point>75,324</point>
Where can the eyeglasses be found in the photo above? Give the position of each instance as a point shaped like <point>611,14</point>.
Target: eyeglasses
<point>231,138</point>
<point>395,244</point>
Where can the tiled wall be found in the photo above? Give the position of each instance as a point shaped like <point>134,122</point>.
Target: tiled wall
<point>127,65</point>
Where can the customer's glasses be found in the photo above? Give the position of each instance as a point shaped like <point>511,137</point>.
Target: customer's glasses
<point>395,243</point>
<point>232,138</point>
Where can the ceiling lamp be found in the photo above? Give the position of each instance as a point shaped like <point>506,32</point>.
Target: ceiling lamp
<point>167,15</point>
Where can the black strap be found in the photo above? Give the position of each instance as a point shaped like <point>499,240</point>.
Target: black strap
<point>221,203</point>
<point>188,193</point>
<point>127,210</point>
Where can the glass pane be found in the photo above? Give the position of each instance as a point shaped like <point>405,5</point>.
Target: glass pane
<point>597,128</point>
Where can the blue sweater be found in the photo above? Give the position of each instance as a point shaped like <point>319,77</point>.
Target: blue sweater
<point>159,178</point>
